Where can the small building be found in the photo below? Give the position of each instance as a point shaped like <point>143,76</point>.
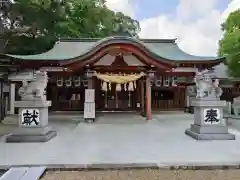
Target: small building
<point>128,74</point>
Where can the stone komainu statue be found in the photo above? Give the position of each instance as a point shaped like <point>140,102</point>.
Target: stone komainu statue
<point>207,86</point>
<point>34,90</point>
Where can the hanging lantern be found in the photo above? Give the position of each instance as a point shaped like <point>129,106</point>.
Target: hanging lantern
<point>166,82</point>
<point>59,82</point>
<point>118,87</point>
<point>85,83</point>
<point>130,86</point>
<point>151,82</point>
<point>68,83</point>
<point>158,82</point>
<point>109,86</point>
<point>77,81</point>
<point>174,81</point>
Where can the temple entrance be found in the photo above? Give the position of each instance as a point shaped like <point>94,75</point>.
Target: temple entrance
<point>66,98</point>
<point>117,97</point>
<point>120,118</point>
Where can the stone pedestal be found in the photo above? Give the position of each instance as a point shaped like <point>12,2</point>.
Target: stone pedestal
<point>32,123</point>
<point>208,121</point>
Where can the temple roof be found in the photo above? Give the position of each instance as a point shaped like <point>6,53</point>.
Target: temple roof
<point>65,49</point>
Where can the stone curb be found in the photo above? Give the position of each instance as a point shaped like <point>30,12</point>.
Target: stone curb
<point>113,166</point>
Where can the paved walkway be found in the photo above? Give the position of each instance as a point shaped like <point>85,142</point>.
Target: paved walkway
<point>159,141</point>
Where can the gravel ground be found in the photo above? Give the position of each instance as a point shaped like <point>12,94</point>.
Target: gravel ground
<point>144,174</point>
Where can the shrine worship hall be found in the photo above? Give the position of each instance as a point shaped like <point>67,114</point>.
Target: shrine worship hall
<point>126,74</point>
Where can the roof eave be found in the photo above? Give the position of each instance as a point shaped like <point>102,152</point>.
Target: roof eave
<point>109,40</point>
<point>177,61</point>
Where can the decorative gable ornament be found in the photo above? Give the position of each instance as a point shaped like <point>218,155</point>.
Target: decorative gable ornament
<point>59,82</point>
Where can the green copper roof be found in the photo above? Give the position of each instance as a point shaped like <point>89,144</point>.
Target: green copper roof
<point>65,49</point>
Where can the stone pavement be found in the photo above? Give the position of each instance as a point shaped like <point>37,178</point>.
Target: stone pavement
<point>128,139</point>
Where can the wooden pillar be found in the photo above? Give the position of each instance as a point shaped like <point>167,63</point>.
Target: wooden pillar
<point>90,83</point>
<point>148,99</point>
<point>142,96</point>
<point>12,98</point>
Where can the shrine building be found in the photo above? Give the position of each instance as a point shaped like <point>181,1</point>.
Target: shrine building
<point>128,74</point>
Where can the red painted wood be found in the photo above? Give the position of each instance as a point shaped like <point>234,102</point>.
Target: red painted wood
<point>148,100</point>
<point>161,63</point>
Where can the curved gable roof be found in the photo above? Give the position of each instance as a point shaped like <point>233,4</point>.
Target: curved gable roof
<point>66,49</point>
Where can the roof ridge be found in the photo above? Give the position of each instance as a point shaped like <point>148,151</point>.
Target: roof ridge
<point>79,39</point>
<point>117,37</point>
<point>159,40</point>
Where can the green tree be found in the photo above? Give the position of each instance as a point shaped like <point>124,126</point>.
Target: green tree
<point>229,45</point>
<point>34,25</point>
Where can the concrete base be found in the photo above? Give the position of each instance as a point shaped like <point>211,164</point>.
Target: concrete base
<point>208,136</point>
<point>209,129</point>
<point>17,138</point>
<point>89,120</point>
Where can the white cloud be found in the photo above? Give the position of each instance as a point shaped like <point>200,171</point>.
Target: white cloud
<point>233,6</point>
<point>197,25</point>
<point>188,8</point>
<point>123,6</point>
<point>198,36</point>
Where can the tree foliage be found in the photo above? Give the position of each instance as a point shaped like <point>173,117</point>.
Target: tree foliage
<point>230,43</point>
<point>34,25</point>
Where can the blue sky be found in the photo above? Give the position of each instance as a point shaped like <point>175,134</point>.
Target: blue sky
<point>195,23</point>
<point>152,8</point>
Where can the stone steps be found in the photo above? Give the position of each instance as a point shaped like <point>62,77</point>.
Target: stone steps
<point>23,173</point>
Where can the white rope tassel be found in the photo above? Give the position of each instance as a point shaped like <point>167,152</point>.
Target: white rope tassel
<point>130,86</point>
<point>104,86</point>
<point>118,87</point>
